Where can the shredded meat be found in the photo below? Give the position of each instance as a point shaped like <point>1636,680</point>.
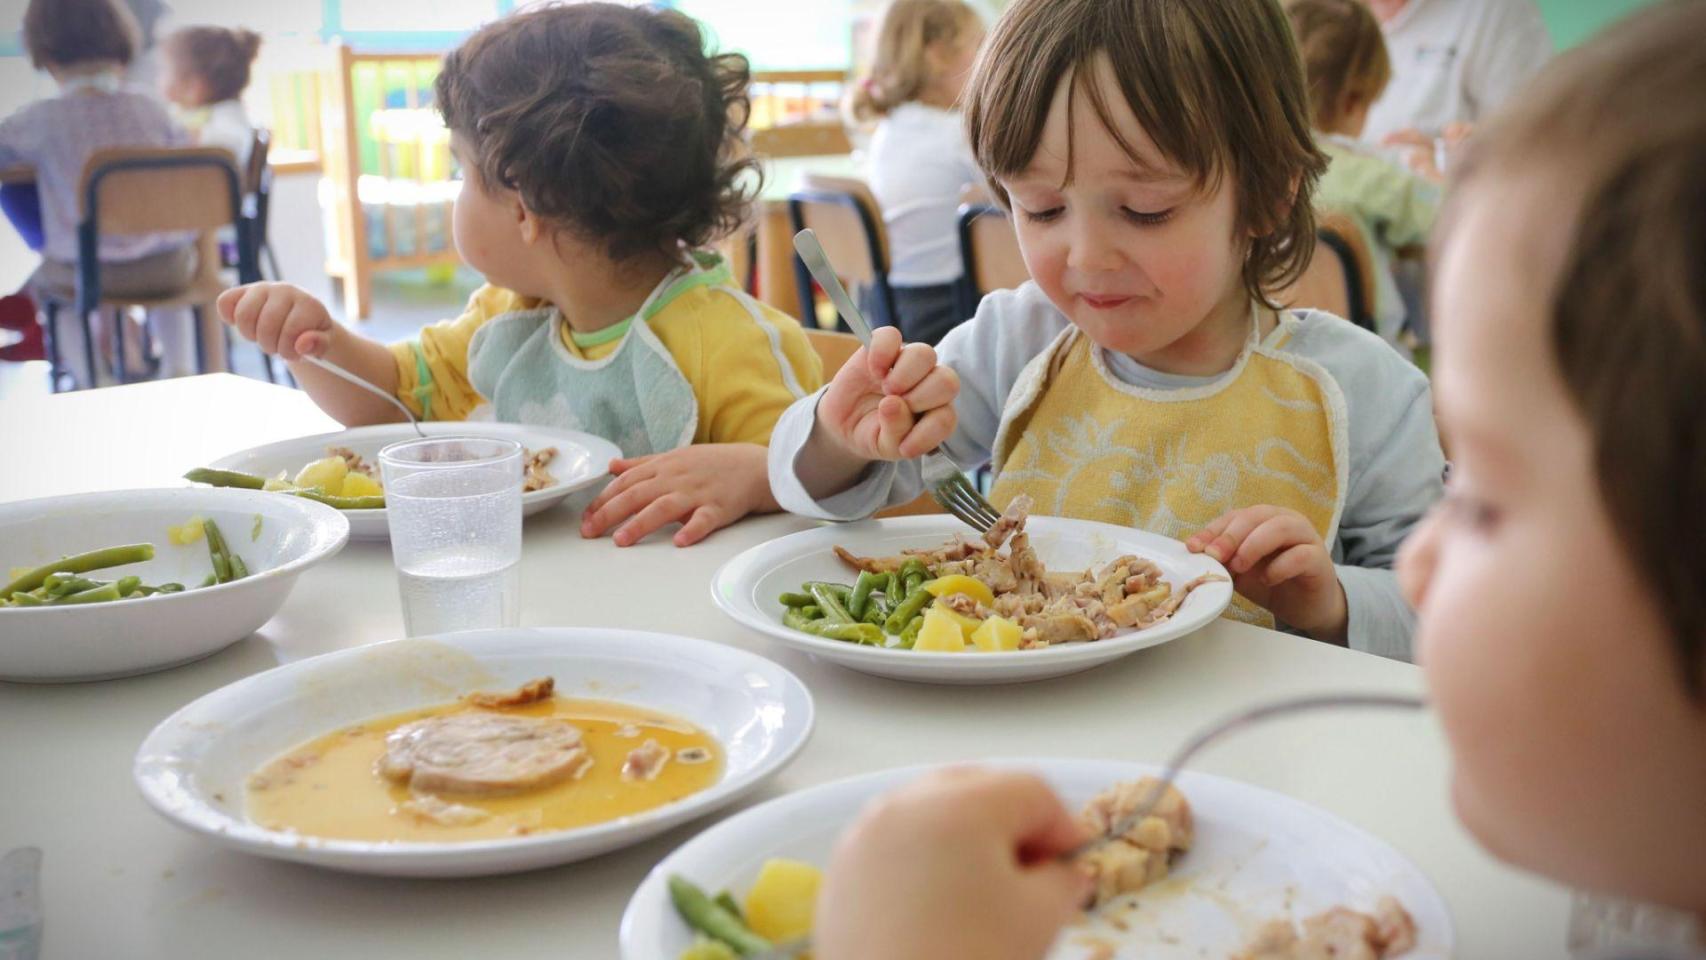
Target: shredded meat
<point>536,475</point>
<point>352,460</point>
<point>483,754</point>
<point>532,691</point>
<point>425,806</point>
<point>645,761</point>
<point>1050,608</point>
<point>1142,854</point>
<point>1338,934</point>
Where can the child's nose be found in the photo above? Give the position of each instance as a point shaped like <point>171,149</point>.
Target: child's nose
<point>1093,248</point>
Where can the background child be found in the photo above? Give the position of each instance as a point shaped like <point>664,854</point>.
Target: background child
<point>85,45</point>
<point>601,149</point>
<point>204,74</point>
<point>1159,190</point>
<point>920,161</point>
<point>1346,68</point>
<point>1559,587</point>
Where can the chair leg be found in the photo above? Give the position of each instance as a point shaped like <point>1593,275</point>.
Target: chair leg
<point>272,260</point>
<point>89,350</point>
<point>55,369</point>
<point>200,341</point>
<point>225,341</point>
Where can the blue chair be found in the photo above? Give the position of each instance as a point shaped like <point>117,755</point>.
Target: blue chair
<point>849,224</point>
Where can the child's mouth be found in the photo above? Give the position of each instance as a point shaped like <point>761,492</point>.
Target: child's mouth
<point>1103,301</point>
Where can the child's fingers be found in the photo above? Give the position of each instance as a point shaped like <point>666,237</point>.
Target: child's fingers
<point>893,423</point>
<point>227,304</point>
<point>1273,534</point>
<point>881,352</point>
<point>1297,561</point>
<point>915,362</point>
<point>616,503</point>
<point>664,510</point>
<point>310,344</point>
<point>929,432</point>
<point>705,520</point>
<point>622,465</point>
<point>269,323</point>
<point>938,388</point>
<point>1224,545</point>
<point>247,309</point>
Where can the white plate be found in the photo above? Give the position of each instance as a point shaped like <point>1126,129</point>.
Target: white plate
<point>102,640</point>
<point>192,768</point>
<point>582,459</point>
<point>1258,856</point>
<point>747,588</point>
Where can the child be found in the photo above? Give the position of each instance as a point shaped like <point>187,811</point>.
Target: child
<point>205,72</point>
<point>920,161</point>
<point>1144,378</point>
<point>601,149</point>
<point>1559,587</point>
<point>85,45</point>
<point>1345,65</point>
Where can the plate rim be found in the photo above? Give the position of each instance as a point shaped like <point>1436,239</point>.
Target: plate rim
<point>151,765</point>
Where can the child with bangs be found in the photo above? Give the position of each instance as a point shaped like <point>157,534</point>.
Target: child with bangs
<point>1157,159</point>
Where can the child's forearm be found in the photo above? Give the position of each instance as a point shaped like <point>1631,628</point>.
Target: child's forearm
<point>349,404</point>
<point>825,467</point>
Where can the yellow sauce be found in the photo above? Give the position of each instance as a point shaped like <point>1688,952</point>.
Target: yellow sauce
<point>328,787</point>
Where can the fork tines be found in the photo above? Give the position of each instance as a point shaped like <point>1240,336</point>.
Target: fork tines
<point>957,496</point>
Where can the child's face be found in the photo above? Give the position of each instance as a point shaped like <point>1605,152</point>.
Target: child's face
<point>951,63</point>
<point>182,86</point>
<point>1577,753</point>
<point>1142,259</point>
<point>488,226</point>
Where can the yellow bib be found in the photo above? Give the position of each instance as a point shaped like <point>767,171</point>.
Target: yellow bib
<point>1083,444</point>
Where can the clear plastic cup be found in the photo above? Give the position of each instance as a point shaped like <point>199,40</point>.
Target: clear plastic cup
<point>20,904</point>
<point>453,505</point>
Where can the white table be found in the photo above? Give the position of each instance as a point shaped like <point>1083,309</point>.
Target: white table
<point>121,882</point>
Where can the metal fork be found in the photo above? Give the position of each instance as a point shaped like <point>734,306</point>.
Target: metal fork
<point>1210,734</point>
<point>341,373</point>
<point>944,478</point>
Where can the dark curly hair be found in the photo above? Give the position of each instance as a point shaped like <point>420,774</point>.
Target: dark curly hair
<point>612,122</point>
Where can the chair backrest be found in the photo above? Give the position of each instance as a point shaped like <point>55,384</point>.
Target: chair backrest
<point>1344,234</point>
<point>989,249</point>
<point>258,173</point>
<point>833,348</point>
<point>802,140</point>
<point>848,221</point>
<point>1322,286</point>
<point>153,190</point>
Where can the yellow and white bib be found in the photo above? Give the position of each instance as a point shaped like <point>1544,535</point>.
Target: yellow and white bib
<point>1081,443</point>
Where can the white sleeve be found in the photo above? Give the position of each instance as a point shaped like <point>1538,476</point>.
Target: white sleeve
<point>988,352</point>
<point>1512,47</point>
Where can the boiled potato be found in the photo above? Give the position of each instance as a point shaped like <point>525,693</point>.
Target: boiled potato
<point>361,485</point>
<point>780,905</point>
<point>327,474</point>
<point>968,625</point>
<point>997,634</point>
<point>185,533</point>
<point>704,948</point>
<point>941,632</point>
<point>960,583</point>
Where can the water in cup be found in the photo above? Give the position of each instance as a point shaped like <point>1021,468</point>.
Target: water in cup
<point>459,591</point>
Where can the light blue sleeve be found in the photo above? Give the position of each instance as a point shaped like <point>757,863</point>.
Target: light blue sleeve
<point>988,352</point>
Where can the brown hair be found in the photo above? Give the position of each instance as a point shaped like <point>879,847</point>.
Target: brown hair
<point>1619,120</point>
<point>220,57</point>
<point>610,121</point>
<point>1344,55</point>
<point>59,33</point>
<point>899,70</point>
<point>1214,83</point>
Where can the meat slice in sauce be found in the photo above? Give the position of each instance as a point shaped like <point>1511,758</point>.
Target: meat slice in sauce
<point>1337,934</point>
<point>532,691</point>
<point>483,754</point>
<point>645,761</point>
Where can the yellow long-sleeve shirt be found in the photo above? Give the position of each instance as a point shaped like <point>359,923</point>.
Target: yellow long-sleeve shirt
<point>743,372</point>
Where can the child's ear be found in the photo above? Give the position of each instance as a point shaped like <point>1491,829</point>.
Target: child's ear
<point>532,228</point>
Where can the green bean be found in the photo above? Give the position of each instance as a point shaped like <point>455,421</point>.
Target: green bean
<point>842,591</point>
<point>795,618</point>
<point>909,634</point>
<point>833,607</point>
<point>255,529</point>
<point>861,594</point>
<point>797,600</point>
<point>916,600</point>
<point>225,478</point>
<point>25,600</point>
<point>703,914</point>
<point>81,563</point>
<point>893,588</point>
<point>128,585</point>
<point>221,566</point>
<point>209,580</point>
<point>170,588</point>
<point>101,594</point>
<point>863,633</point>
<point>878,609</point>
<point>239,569</point>
<point>912,573</point>
<point>726,900</point>
<point>63,584</point>
<point>375,502</point>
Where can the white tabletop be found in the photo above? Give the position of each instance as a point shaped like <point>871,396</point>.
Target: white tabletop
<point>121,882</point>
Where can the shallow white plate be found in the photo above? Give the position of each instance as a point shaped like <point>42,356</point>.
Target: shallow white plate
<point>1258,856</point>
<point>193,767</point>
<point>101,640</point>
<point>582,459</point>
<point>747,588</point>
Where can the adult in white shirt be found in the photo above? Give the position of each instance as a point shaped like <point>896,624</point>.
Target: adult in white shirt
<point>1453,62</point>
<point>919,159</point>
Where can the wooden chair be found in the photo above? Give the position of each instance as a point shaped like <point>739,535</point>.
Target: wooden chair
<point>1340,278</point>
<point>849,224</point>
<point>989,253</point>
<point>155,190</point>
<point>835,349</point>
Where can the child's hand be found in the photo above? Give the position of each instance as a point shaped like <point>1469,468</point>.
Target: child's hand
<point>889,401</point>
<point>1277,560</point>
<point>959,864</point>
<point>280,318</point>
<point>706,487</point>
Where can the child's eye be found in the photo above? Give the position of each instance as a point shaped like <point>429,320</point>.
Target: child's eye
<point>1147,219</point>
<point>1469,511</point>
<point>1042,216</point>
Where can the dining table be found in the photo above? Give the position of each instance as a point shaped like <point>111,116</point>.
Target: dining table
<point>121,882</point>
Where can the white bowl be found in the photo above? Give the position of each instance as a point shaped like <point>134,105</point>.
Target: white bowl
<point>98,641</point>
<point>1258,856</point>
<point>582,459</point>
<point>193,767</point>
<point>747,588</point>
